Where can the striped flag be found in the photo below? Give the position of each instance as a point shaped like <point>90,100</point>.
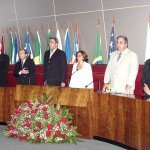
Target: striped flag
<point>59,38</point>
<point>15,57</point>
<point>112,43</point>
<point>48,37</point>
<point>76,44</point>
<point>27,46</point>
<point>147,52</point>
<point>11,47</point>
<point>2,42</point>
<point>67,46</point>
<point>38,52</point>
<point>98,49</point>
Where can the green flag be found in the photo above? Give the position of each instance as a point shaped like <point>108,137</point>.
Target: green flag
<point>10,53</point>
<point>98,50</point>
<point>38,52</point>
<point>48,38</point>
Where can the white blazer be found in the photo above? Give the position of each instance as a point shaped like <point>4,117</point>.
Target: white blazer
<point>82,77</point>
<point>122,72</point>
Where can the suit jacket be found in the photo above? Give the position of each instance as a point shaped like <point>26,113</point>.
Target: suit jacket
<point>4,66</point>
<point>55,68</point>
<point>146,74</point>
<point>25,79</point>
<point>122,72</point>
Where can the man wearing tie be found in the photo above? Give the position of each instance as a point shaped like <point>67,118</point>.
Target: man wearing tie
<point>25,69</point>
<point>122,69</point>
<point>55,65</point>
<point>4,66</point>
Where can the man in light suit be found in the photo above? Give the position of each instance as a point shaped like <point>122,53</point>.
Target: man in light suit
<point>122,69</point>
<point>55,65</point>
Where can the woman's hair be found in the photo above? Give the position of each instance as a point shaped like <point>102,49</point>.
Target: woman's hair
<point>84,54</point>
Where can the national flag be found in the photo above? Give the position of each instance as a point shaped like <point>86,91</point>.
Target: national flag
<point>15,57</point>
<point>98,50</point>
<point>112,43</point>
<point>48,37</point>
<point>76,44</point>
<point>2,43</point>
<point>59,38</point>
<point>11,47</point>
<point>67,46</point>
<point>27,45</point>
<point>38,52</point>
<point>147,52</point>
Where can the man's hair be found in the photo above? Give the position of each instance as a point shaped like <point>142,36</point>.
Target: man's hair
<point>123,37</point>
<point>24,51</point>
<point>54,38</point>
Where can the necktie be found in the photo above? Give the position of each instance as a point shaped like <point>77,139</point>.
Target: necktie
<point>119,56</point>
<point>51,53</point>
<point>22,64</point>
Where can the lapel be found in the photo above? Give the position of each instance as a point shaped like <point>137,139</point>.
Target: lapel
<point>55,54</point>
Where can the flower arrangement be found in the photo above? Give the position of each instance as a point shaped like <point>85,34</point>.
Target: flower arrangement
<point>40,121</point>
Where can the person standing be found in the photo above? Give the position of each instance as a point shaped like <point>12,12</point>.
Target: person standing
<point>122,69</point>
<point>146,78</point>
<point>82,76</point>
<point>55,65</point>
<point>4,66</point>
<point>25,69</point>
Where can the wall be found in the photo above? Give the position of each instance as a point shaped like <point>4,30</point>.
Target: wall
<point>130,16</point>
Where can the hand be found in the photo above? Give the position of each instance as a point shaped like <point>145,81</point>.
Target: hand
<point>146,89</point>
<point>62,84</point>
<point>23,71</point>
<point>106,85</point>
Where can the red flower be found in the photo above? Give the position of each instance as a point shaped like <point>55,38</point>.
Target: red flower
<point>15,136</point>
<point>24,137</point>
<point>44,108</point>
<point>49,103</point>
<point>58,124</point>
<point>30,105</point>
<point>48,133</point>
<point>42,101</point>
<point>35,130</point>
<point>57,133</point>
<point>49,126</point>
<point>39,124</point>
<point>46,116</point>
<point>38,138</point>
<point>63,136</point>
<point>13,121</point>
<point>64,120</point>
<point>26,119</point>
<point>69,127</point>
<point>18,111</point>
<point>57,111</point>
<point>38,105</point>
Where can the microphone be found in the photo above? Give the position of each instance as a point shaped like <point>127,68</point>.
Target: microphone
<point>74,72</point>
<point>88,84</point>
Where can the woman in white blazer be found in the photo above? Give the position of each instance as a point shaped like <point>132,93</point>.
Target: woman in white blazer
<point>82,76</point>
<point>122,69</point>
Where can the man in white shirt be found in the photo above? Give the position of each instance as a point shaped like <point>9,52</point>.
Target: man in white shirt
<point>122,69</point>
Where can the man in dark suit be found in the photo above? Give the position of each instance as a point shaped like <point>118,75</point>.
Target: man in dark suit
<point>55,65</point>
<point>25,69</point>
<point>4,65</point>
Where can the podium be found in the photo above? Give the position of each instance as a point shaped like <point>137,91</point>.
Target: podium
<point>122,119</point>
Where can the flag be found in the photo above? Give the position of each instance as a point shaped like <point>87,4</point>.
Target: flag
<point>67,47</point>
<point>98,49</point>
<point>38,52</point>
<point>147,52</point>
<point>76,44</point>
<point>59,39</point>
<point>48,37</point>
<point>2,42</point>
<point>15,57</point>
<point>27,46</point>
<point>11,47</point>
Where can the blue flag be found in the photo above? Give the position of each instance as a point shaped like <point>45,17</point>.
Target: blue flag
<point>27,46</point>
<point>112,44</point>
<point>67,47</point>
<point>15,53</point>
